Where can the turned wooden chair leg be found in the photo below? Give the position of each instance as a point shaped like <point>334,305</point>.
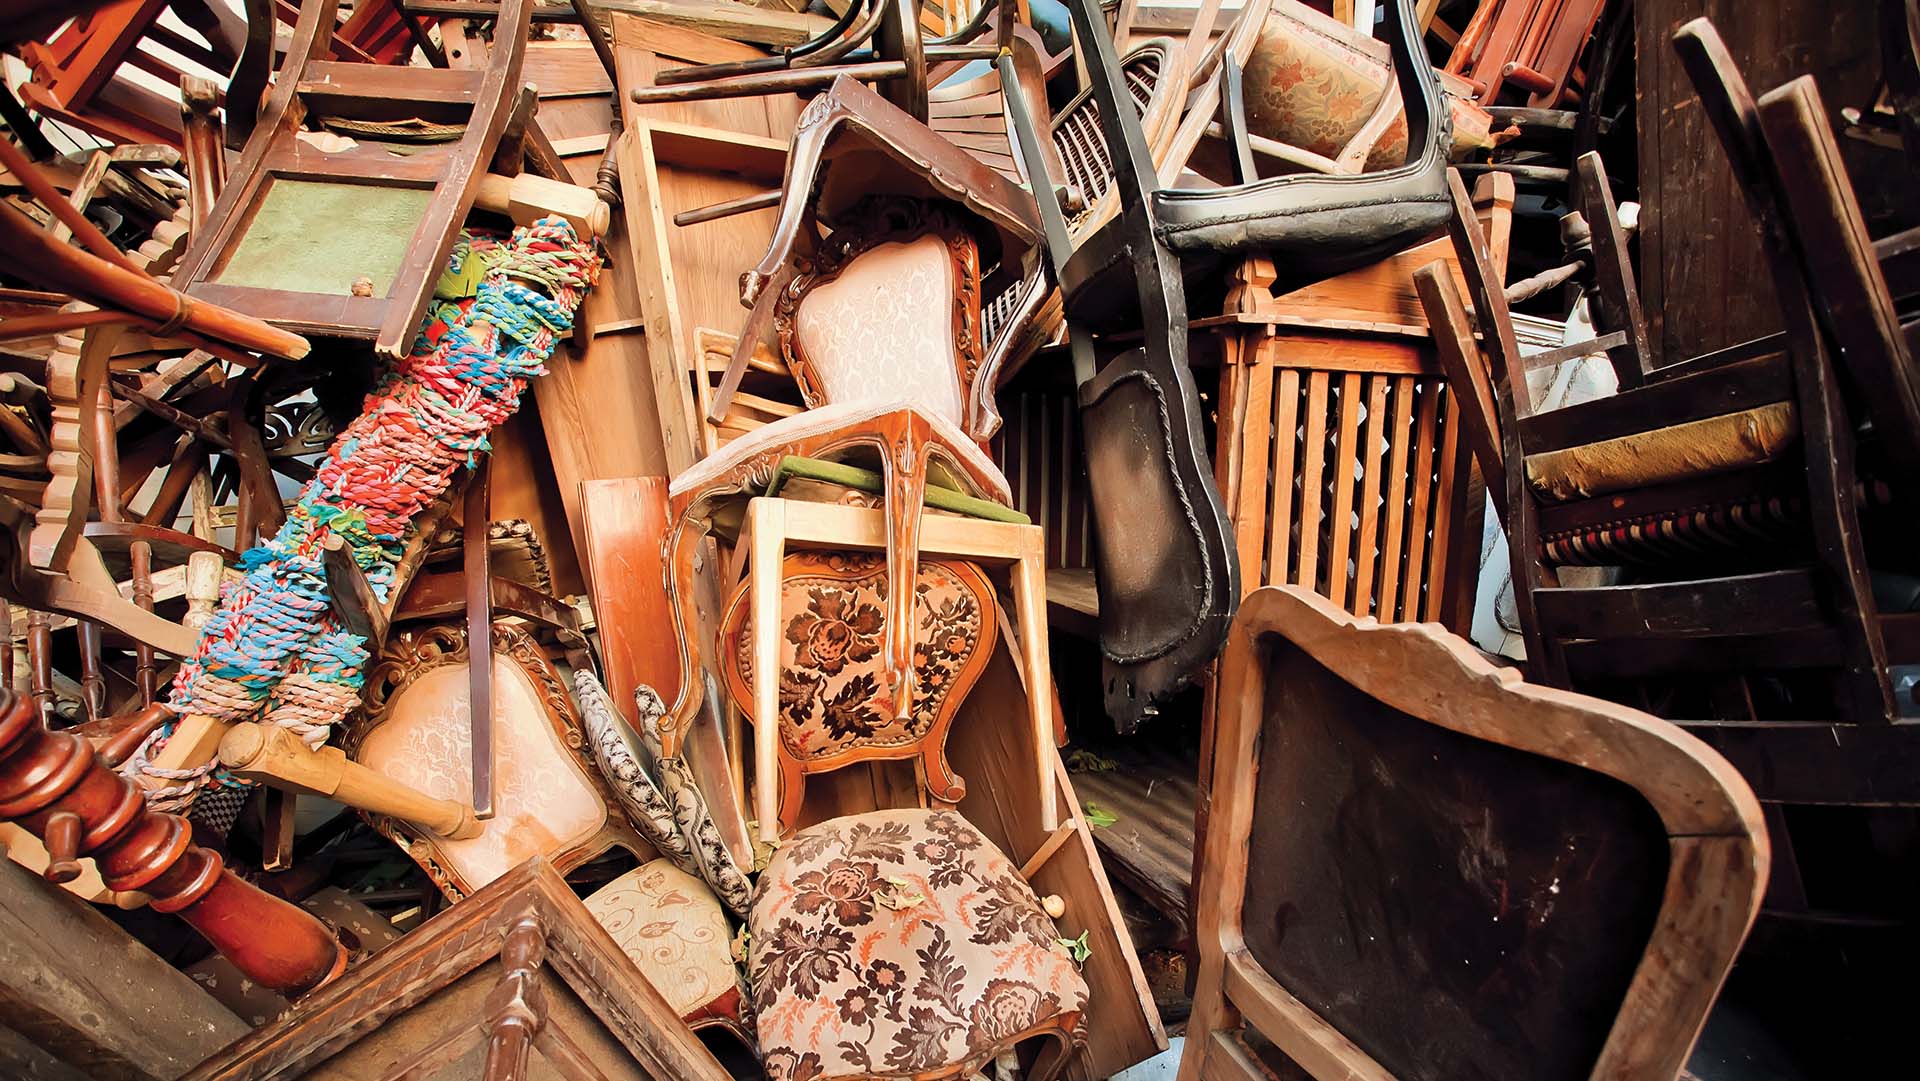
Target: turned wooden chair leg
<point>1030,605</point>
<point>905,469</point>
<point>766,518</point>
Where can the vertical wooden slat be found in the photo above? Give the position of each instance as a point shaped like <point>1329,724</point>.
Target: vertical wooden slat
<point>1419,509</point>
<point>1372,464</point>
<point>1312,475</point>
<point>1060,466</point>
<point>1450,486</point>
<point>1400,435</point>
<point>1280,478</point>
<point>1345,451</point>
<point>1250,523</point>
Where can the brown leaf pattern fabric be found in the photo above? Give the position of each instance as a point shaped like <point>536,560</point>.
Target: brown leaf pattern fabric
<point>899,942</point>
<point>834,694</point>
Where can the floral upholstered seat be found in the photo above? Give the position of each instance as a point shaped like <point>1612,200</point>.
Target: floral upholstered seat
<point>902,942</point>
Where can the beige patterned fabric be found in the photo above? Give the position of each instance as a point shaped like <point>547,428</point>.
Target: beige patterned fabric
<point>883,329</point>
<point>1697,448</point>
<point>672,927</point>
<point>900,943</point>
<point>834,692</point>
<point>1312,82</point>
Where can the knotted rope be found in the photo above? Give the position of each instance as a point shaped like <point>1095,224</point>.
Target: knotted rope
<point>274,650</point>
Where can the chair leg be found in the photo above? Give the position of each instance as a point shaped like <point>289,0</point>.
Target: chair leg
<point>906,487</point>
<point>1030,602</point>
<point>768,523</point>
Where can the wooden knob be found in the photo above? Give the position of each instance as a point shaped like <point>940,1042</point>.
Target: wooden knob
<point>63,847</point>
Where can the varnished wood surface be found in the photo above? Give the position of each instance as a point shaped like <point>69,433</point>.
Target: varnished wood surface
<point>1414,912</point>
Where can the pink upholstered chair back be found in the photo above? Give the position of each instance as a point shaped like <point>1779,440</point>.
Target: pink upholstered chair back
<point>897,321</point>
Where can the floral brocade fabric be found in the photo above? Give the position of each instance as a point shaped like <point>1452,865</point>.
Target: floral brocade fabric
<point>834,692</point>
<point>901,942</point>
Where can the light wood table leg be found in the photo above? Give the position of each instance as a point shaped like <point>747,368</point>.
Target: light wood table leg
<point>767,521</point>
<point>1030,601</point>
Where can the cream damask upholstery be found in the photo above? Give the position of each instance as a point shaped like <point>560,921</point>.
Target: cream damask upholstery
<point>672,927</point>
<point>902,943</point>
<point>1697,448</point>
<point>883,329</point>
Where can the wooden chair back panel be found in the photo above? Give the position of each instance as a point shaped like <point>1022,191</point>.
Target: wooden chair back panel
<point>1355,480</point>
<point>1482,919</point>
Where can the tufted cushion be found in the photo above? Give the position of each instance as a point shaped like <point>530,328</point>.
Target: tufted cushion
<point>883,329</point>
<point>900,942</point>
<point>1697,448</point>
<point>834,694</point>
<point>669,923</point>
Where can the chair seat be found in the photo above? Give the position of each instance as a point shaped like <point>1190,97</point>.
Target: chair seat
<point>901,942</point>
<point>1700,448</point>
<point>671,925</point>
<point>825,419</point>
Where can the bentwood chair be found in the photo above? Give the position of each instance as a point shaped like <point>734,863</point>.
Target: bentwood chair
<point>1420,867</point>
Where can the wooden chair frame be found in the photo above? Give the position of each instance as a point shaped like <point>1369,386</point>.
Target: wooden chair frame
<point>306,80</point>
<point>1822,614</point>
<point>415,653</point>
<point>1719,849</point>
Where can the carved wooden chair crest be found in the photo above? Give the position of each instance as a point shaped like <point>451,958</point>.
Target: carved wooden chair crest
<point>1453,872</point>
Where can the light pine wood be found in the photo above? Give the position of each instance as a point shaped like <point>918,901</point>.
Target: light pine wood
<point>275,756</point>
<point>767,526</point>
<point>737,22</point>
<point>1712,825</point>
<point>528,198</point>
<point>798,524</point>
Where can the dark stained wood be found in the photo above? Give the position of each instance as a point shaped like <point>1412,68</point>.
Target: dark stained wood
<point>1704,280</point>
<point>1420,867</point>
<point>1812,762</point>
<point>91,997</point>
<point>1753,603</point>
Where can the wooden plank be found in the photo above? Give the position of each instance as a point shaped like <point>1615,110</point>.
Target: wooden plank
<point>1312,469</point>
<point>1256,434</point>
<point>1756,603</point>
<point>79,987</point>
<point>1371,460</point>
<point>1400,438</point>
<point>1280,521</point>
<point>626,529</point>
<point>1345,451</point>
<point>1419,512</point>
<point>737,22</point>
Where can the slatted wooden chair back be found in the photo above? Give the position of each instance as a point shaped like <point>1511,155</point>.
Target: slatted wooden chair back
<point>1458,873</point>
<point>344,207</point>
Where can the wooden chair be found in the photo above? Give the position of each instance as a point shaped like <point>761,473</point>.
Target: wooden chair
<point>417,730</point>
<point>1708,476</point>
<point>1454,873</point>
<point>76,74</point>
<point>1533,44</point>
<point>390,159</point>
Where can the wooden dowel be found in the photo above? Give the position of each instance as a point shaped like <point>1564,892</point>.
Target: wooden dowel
<point>111,284</point>
<point>37,326</point>
<point>275,756</point>
<point>774,82</point>
<point>714,211</point>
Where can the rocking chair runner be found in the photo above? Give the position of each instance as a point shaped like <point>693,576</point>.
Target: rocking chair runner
<point>1454,873</point>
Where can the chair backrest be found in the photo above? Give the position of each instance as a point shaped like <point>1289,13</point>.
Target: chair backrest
<point>1843,274</point>
<point>1460,874</point>
<point>889,313</point>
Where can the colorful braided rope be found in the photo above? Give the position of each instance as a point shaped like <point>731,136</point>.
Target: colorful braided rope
<point>274,649</point>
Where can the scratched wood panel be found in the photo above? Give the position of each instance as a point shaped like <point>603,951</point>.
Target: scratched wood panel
<point>1703,279</point>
